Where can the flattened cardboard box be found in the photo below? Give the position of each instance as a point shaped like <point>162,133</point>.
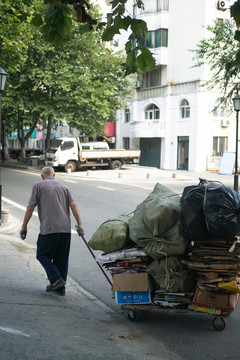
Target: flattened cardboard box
<point>132,288</point>
<point>130,282</point>
<point>226,302</point>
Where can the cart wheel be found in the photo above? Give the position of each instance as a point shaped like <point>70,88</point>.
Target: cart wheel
<point>219,323</point>
<point>133,316</point>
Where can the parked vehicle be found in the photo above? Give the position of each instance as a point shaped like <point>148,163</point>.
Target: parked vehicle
<point>16,153</point>
<point>71,154</point>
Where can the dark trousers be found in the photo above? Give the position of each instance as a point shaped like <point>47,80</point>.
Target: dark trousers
<point>53,254</point>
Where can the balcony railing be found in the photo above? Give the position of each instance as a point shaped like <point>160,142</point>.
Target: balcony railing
<point>147,128</point>
<point>170,89</point>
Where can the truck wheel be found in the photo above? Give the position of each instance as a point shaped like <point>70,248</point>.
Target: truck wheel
<point>116,165</point>
<point>70,165</point>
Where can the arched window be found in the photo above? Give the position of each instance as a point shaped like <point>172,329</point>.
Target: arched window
<point>184,109</point>
<point>152,112</point>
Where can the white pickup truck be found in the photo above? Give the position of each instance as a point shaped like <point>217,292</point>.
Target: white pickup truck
<point>70,153</point>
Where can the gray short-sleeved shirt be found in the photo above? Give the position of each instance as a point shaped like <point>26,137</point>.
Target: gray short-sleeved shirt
<point>52,199</point>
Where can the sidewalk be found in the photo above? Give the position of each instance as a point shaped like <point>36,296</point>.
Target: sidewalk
<point>36,325</point>
<point>129,172</point>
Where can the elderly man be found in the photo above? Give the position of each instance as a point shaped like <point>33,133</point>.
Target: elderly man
<point>53,200</point>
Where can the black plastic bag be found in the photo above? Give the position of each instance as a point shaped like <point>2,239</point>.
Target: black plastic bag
<point>210,209</point>
<point>192,216</point>
<point>221,209</point>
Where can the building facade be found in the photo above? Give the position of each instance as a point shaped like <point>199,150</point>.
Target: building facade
<point>170,117</point>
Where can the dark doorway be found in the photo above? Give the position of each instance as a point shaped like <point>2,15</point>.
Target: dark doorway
<point>182,154</point>
<point>150,152</point>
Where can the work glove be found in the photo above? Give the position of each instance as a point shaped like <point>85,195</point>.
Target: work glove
<point>23,234</point>
<point>80,230</point>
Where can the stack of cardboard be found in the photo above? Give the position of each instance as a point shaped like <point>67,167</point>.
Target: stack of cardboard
<point>216,262</point>
<point>130,281</point>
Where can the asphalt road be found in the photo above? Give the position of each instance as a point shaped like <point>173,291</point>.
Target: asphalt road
<point>190,336</point>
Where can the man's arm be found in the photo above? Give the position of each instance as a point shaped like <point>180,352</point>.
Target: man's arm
<point>28,215</point>
<point>75,212</point>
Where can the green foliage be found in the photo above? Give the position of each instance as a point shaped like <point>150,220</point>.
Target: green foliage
<point>220,50</point>
<point>15,32</point>
<point>81,83</point>
<point>139,58</point>
<point>55,23</point>
<point>54,19</point>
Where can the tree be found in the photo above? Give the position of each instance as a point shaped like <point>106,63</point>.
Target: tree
<point>14,32</point>
<point>235,13</point>
<point>219,50</point>
<point>82,83</point>
<point>55,23</point>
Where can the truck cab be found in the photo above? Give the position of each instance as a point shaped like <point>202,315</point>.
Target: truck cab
<point>61,151</point>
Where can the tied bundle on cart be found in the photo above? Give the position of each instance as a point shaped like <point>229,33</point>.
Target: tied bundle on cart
<point>211,219</point>
<point>159,256</point>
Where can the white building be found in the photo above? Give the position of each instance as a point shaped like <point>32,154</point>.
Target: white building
<point>170,117</point>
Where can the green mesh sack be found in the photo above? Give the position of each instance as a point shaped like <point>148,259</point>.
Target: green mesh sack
<point>170,275</point>
<point>112,235</point>
<point>156,226</point>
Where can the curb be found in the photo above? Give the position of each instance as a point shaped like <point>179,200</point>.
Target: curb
<point>11,225</point>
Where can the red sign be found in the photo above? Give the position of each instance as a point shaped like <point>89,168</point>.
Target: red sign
<point>109,129</point>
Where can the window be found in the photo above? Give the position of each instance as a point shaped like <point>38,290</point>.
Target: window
<point>218,112</point>
<point>150,6</point>
<point>150,40</point>
<point>161,38</point>
<point>184,109</point>
<point>126,143</point>
<point>67,145</point>
<point>152,78</point>
<point>220,144</point>
<point>152,112</point>
<point>127,115</point>
<point>155,39</point>
<point>162,5</point>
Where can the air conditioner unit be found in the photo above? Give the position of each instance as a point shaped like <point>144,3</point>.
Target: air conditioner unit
<point>225,123</point>
<point>138,84</point>
<point>223,5</point>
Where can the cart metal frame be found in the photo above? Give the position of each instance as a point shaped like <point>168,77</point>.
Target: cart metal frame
<point>218,322</point>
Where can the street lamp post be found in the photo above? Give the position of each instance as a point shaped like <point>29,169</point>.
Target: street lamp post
<point>3,77</point>
<point>236,104</point>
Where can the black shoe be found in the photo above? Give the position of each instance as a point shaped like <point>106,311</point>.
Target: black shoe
<point>61,291</point>
<point>59,283</point>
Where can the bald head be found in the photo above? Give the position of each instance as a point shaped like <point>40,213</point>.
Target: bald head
<point>47,171</point>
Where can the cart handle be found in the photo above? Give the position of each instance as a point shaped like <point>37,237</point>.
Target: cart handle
<point>100,267</point>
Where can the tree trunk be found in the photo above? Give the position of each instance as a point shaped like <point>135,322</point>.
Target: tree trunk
<point>48,136</point>
<point>23,150</point>
<point>21,136</point>
<point>5,149</point>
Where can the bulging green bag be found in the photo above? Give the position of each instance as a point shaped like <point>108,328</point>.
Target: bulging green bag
<point>112,235</point>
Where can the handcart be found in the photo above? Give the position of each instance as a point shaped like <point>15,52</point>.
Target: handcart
<point>218,322</point>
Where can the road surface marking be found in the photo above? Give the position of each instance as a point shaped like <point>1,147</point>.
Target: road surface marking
<point>12,331</point>
<point>17,205</point>
<point>105,188</point>
<point>24,171</point>
<point>74,182</point>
